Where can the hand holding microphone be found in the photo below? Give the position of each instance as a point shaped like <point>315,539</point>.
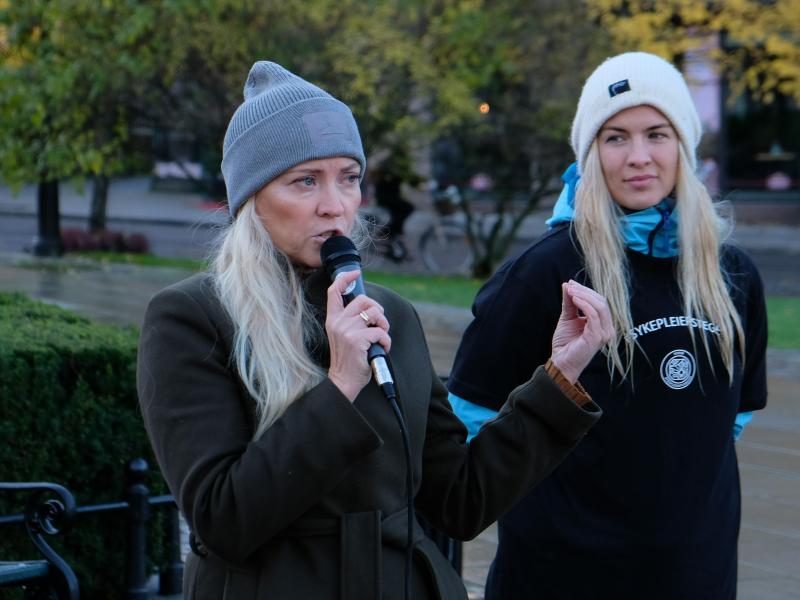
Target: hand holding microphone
<point>352,329</point>
<point>357,329</point>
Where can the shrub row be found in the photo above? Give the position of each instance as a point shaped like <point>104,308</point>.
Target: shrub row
<point>114,241</point>
<point>70,416</point>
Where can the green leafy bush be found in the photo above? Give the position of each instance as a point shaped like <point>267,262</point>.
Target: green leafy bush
<point>70,416</point>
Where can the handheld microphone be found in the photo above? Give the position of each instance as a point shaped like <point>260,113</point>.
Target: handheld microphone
<point>339,255</point>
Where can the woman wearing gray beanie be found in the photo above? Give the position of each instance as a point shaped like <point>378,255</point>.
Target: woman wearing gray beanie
<point>648,504</point>
<point>281,451</point>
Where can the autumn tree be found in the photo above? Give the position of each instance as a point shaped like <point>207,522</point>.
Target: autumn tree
<point>79,75</point>
<point>418,71</point>
<point>760,40</point>
<point>74,75</point>
<point>525,64</point>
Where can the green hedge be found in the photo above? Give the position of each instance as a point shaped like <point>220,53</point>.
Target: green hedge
<point>70,416</point>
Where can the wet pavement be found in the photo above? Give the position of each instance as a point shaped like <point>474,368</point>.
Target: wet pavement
<point>769,451</point>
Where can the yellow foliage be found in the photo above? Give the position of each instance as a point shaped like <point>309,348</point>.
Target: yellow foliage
<point>762,40</point>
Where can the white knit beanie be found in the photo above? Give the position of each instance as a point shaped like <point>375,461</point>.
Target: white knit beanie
<point>629,80</point>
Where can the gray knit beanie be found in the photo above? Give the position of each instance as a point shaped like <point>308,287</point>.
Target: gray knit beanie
<point>629,80</point>
<point>283,121</point>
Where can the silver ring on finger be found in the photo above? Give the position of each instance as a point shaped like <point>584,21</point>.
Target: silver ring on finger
<point>365,317</point>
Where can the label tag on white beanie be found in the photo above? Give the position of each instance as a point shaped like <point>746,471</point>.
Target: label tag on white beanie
<point>619,87</point>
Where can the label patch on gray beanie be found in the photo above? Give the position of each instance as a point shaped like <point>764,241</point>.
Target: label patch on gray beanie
<point>619,87</point>
<point>325,126</point>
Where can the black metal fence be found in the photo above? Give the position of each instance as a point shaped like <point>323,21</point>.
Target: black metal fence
<point>51,510</point>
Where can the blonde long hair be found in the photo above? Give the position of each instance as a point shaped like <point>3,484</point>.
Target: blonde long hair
<point>273,324</point>
<point>701,231</point>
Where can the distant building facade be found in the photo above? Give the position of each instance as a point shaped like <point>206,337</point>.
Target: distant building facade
<point>749,150</point>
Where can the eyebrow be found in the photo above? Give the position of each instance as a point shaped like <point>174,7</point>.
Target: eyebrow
<point>612,128</point>
<point>354,166</point>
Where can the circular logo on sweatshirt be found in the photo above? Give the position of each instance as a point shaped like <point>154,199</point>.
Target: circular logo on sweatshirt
<point>678,369</point>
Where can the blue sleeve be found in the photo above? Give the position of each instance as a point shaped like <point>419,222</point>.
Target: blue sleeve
<point>472,415</point>
<point>742,419</point>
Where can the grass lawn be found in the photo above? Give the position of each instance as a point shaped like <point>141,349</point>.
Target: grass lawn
<point>454,291</point>
<point>148,260</point>
<point>783,313</point>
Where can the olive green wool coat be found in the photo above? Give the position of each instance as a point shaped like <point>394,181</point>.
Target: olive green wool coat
<point>315,507</point>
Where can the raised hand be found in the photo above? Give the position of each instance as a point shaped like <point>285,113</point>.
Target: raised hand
<point>583,328</point>
<point>352,329</point>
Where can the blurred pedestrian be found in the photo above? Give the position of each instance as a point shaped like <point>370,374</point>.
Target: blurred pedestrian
<point>390,176</point>
<point>648,505</point>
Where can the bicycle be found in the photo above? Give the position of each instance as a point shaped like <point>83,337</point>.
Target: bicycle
<point>444,246</point>
<point>376,220</point>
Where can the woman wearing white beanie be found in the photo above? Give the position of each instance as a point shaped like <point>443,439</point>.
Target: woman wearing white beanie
<point>648,505</point>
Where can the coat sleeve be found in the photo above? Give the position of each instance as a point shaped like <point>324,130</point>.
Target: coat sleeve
<point>235,492</point>
<point>466,487</point>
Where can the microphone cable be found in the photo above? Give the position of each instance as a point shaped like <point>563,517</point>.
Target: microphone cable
<point>339,254</point>
<point>390,391</point>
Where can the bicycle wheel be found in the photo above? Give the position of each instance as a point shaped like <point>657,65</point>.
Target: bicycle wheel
<point>445,250</point>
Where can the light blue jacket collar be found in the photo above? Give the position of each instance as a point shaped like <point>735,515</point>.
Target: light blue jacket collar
<point>652,232</point>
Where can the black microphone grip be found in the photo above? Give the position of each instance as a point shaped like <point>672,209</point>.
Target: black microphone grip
<point>354,289</point>
<point>339,255</point>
